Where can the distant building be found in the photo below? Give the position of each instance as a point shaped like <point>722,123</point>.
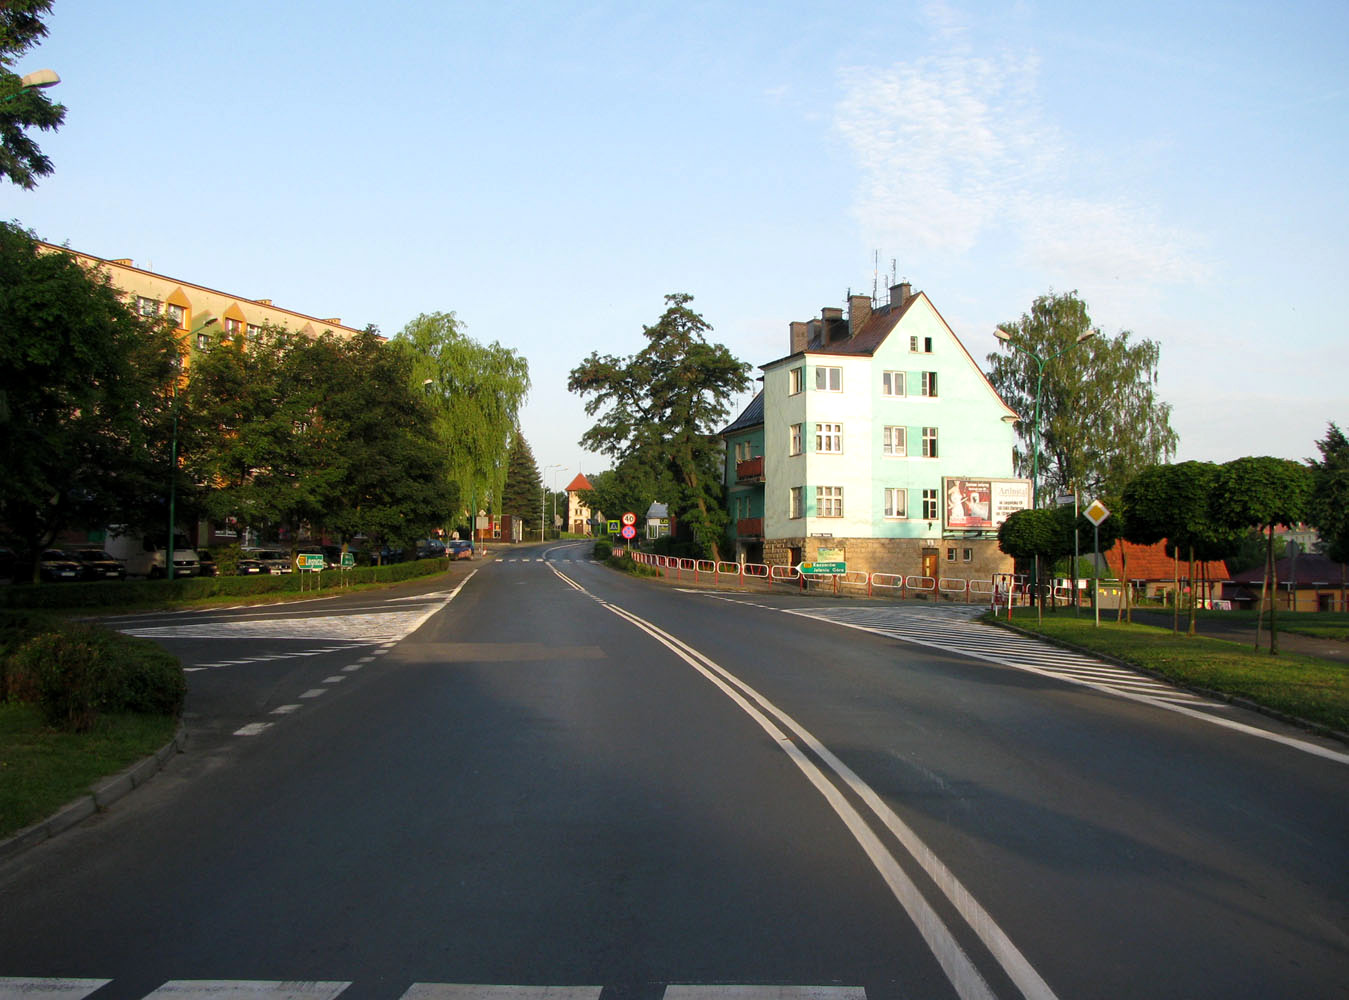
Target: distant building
<point>1152,573</point>
<point>879,437</point>
<point>579,515</point>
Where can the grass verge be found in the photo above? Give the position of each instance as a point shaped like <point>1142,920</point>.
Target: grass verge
<point>41,768</point>
<point>1313,690</point>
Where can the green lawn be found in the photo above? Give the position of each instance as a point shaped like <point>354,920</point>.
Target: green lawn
<point>1300,686</point>
<point>41,769</point>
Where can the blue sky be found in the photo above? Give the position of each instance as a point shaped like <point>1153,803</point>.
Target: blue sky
<point>550,172</point>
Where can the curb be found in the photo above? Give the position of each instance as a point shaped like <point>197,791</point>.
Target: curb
<point>97,799</point>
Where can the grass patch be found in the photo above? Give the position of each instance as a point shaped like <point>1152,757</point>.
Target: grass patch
<point>626,564</point>
<point>1311,689</point>
<point>41,768</point>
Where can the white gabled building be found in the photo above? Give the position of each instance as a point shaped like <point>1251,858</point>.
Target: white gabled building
<point>883,438</point>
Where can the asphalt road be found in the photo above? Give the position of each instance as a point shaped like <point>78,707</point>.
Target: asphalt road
<point>557,776</point>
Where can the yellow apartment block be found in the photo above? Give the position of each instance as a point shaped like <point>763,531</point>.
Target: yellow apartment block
<point>202,315</point>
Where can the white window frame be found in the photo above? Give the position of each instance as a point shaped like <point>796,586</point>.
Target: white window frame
<point>146,306</point>
<point>829,501</point>
<point>895,442</point>
<point>827,435</point>
<point>828,378</point>
<point>796,436</point>
<point>234,327</point>
<point>796,502</point>
<point>893,384</point>
<point>930,505</point>
<point>796,381</point>
<point>930,449</point>
<point>896,511</point>
<point>930,384</point>
<point>178,314</point>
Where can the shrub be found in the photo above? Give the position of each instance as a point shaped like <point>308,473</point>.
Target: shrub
<point>603,550</point>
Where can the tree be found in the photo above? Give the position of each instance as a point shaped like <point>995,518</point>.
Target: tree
<point>1100,419</point>
<point>1328,508</point>
<point>1263,492</point>
<point>665,404</point>
<point>523,492</point>
<point>21,160</point>
<point>85,419</point>
<point>476,394</point>
<point>1043,534</point>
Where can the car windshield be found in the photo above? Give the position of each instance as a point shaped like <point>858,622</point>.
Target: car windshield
<point>94,555</point>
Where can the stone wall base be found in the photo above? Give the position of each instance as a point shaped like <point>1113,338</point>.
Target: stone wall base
<point>955,558</point>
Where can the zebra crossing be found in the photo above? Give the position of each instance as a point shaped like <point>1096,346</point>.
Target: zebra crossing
<point>951,628</point>
<point>17,988</point>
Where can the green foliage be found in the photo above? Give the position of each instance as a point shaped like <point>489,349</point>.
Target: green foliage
<point>85,408</point>
<point>603,550</point>
<point>1100,418</point>
<point>1328,506</point>
<point>663,407</point>
<point>21,160</point>
<point>1261,492</point>
<point>522,495</point>
<point>626,564</point>
<point>1029,533</point>
<point>79,671</point>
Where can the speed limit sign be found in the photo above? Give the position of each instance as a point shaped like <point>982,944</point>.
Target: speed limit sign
<point>629,518</point>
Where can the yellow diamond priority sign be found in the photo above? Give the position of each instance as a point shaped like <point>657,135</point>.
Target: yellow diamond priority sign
<point>1096,513</point>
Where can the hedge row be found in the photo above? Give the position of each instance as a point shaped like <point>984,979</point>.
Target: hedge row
<point>157,593</point>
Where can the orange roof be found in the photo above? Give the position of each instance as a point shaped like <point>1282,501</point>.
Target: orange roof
<point>579,483</point>
<point>1150,562</point>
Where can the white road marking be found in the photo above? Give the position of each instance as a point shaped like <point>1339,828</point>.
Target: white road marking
<point>742,992</point>
<point>253,729</point>
<point>352,668</point>
<point>200,989</point>
<point>286,709</point>
<point>314,693</point>
<point>334,679</point>
<point>15,988</point>
<point>467,991</point>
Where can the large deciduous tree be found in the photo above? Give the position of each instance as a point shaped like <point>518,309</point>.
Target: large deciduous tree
<point>1101,421</point>
<point>21,108</point>
<point>1328,508</point>
<point>665,404</point>
<point>85,422</point>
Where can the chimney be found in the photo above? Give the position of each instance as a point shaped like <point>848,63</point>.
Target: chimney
<point>899,294</point>
<point>799,337</point>
<point>859,311</point>
<point>263,302</point>
<point>334,320</point>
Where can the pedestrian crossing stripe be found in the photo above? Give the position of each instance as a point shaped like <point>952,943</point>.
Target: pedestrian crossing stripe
<point>18,988</point>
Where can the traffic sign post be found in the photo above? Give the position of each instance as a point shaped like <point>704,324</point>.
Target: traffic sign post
<point>1096,513</point>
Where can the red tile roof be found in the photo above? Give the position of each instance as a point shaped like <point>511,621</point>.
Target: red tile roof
<point>1150,562</point>
<point>579,483</point>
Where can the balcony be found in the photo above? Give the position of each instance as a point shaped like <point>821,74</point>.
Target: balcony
<point>749,471</point>
<point>749,527</point>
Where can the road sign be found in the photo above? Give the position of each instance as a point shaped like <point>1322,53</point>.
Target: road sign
<point>823,568</point>
<point>309,561</point>
<point>348,560</point>
<point>1096,513</point>
<point>629,518</point>
<point>613,527</point>
<point>629,531</point>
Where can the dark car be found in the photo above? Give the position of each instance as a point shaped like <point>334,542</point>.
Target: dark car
<point>95,564</point>
<point>249,565</point>
<point>430,548</point>
<point>55,565</point>
<point>206,564</point>
<point>459,548</point>
<point>274,561</point>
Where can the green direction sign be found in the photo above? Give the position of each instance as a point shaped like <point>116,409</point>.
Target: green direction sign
<point>309,560</point>
<point>348,560</point>
<point>824,568</point>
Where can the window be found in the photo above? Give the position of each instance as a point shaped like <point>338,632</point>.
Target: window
<point>929,505</point>
<point>921,345</point>
<point>892,383</point>
<point>829,379</point>
<point>254,331</point>
<point>794,501</point>
<point>929,442</point>
<point>829,439</point>
<point>234,327</point>
<point>203,341</point>
<point>797,378</point>
<point>147,307</point>
<point>929,383</point>
<point>178,314</point>
<point>893,442</point>
<point>896,503</point>
<point>967,555</point>
<point>950,555</point>
<point>797,430</point>
<point>829,501</point>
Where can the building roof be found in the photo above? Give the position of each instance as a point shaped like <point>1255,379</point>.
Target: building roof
<point>1150,562</point>
<point>578,484</point>
<point>1304,571</point>
<point>751,417</point>
<point>657,510</point>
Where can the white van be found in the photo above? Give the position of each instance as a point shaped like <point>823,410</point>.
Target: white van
<point>144,555</point>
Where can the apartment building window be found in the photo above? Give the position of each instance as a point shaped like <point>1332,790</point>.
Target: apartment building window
<point>796,436</point>
<point>178,314</point>
<point>829,379</point>
<point>920,345</point>
<point>829,501</point>
<point>234,327</point>
<point>147,307</point>
<point>795,501</point>
<point>929,383</point>
<point>203,341</point>
<point>829,439</point>
<point>896,503</point>
<point>254,332</point>
<point>967,555</point>
<point>893,442</point>
<point>797,380</point>
<point>929,505</point>
<point>892,383</point>
<point>929,442</point>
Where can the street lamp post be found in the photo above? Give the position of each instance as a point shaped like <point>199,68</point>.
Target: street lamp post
<point>37,80</point>
<point>1040,364</point>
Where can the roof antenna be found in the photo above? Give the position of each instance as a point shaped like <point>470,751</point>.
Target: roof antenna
<point>875,275</point>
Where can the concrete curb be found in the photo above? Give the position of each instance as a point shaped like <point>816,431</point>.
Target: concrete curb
<point>99,798</point>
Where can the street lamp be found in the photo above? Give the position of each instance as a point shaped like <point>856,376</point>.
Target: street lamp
<point>37,80</point>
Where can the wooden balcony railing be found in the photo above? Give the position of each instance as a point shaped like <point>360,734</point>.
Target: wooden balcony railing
<point>749,527</point>
<point>749,471</point>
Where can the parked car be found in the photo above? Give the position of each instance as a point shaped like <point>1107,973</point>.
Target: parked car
<point>459,548</point>
<point>249,564</point>
<point>274,561</point>
<point>206,564</point>
<point>144,555</point>
<point>54,565</point>
<point>430,548</point>
<point>95,564</point>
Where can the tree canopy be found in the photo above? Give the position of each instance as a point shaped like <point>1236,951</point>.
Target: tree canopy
<point>21,160</point>
<point>1101,421</point>
<point>523,492</point>
<point>1328,506</point>
<point>665,404</point>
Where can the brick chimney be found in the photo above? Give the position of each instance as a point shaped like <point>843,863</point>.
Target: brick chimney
<point>859,311</point>
<point>899,294</point>
<point>799,337</point>
<point>831,318</point>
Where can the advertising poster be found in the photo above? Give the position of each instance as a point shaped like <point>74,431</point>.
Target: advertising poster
<point>983,504</point>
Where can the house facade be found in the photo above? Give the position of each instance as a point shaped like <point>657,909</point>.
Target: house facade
<point>579,515</point>
<point>879,439</point>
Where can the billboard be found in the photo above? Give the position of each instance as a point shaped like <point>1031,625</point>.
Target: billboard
<point>983,504</point>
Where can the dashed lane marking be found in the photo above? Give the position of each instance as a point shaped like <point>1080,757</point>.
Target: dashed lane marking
<point>246,989</point>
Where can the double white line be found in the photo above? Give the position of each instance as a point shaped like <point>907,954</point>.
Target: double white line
<point>964,977</point>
